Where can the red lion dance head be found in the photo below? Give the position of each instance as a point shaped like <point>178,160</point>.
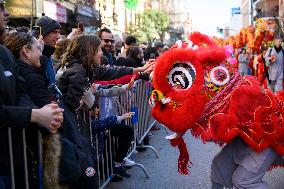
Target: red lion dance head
<point>197,89</point>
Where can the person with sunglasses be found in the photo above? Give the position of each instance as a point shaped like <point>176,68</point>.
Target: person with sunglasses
<point>107,42</point>
<point>14,116</point>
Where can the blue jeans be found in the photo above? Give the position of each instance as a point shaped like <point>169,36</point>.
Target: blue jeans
<point>5,182</point>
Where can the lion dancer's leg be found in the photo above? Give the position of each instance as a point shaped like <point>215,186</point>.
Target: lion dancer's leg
<point>222,168</point>
<point>239,166</point>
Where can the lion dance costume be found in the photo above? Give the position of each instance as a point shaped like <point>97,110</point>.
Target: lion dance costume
<point>197,89</point>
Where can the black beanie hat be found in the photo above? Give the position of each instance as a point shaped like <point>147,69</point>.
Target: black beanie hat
<point>47,25</point>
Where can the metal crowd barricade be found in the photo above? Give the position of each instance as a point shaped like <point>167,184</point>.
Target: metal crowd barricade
<point>135,101</point>
<point>145,120</point>
<point>21,135</point>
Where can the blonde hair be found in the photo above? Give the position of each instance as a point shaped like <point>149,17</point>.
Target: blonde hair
<point>60,48</point>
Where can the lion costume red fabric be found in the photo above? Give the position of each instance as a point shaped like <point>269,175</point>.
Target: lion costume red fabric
<point>198,90</point>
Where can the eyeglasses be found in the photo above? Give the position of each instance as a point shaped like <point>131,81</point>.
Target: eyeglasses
<point>108,40</point>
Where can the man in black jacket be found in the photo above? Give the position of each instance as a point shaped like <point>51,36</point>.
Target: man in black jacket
<point>14,116</point>
<point>50,30</point>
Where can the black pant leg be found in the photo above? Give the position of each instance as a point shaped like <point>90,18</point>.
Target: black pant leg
<point>125,135</point>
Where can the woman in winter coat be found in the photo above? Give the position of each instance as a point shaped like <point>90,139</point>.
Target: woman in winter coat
<point>27,51</point>
<point>82,66</point>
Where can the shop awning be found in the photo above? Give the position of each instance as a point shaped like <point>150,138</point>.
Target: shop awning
<point>21,8</point>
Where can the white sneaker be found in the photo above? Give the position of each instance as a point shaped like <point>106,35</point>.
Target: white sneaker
<point>128,163</point>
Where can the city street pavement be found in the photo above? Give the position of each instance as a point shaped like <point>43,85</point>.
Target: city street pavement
<point>163,171</point>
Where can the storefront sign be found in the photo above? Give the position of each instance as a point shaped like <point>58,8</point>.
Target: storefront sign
<point>55,11</point>
<point>236,10</point>
<point>86,11</point>
<point>21,8</point>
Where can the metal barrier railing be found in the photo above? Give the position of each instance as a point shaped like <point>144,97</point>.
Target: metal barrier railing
<point>135,101</point>
<point>12,174</point>
<point>21,160</point>
<point>145,122</point>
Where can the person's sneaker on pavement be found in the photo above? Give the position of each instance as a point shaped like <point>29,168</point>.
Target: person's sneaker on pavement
<point>119,170</point>
<point>128,162</point>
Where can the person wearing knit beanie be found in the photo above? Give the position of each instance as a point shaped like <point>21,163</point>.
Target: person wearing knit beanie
<point>47,25</point>
<point>50,30</point>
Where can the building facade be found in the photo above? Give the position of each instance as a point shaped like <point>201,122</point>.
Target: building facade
<point>67,13</point>
<point>246,12</point>
<point>180,21</point>
<point>281,8</point>
<point>266,8</point>
<point>253,9</point>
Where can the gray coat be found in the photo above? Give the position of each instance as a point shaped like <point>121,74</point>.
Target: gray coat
<point>111,92</point>
<point>243,63</point>
<point>275,70</point>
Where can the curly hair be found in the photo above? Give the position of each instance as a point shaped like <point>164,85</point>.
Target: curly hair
<point>60,48</point>
<point>17,40</point>
<point>82,48</point>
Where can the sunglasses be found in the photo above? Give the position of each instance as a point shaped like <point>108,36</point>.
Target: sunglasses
<point>108,40</point>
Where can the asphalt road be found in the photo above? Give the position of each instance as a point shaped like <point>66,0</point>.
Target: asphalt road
<point>163,170</point>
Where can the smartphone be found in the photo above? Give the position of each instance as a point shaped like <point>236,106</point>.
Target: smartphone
<point>36,31</point>
<point>81,26</point>
<point>55,91</point>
